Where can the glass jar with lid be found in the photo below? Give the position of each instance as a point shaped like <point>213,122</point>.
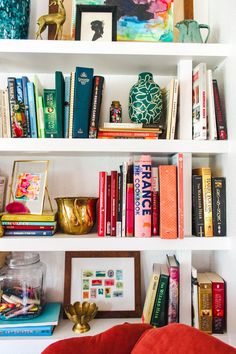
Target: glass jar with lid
<point>22,279</point>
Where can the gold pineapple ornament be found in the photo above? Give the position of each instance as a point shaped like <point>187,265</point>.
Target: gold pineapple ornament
<point>57,19</point>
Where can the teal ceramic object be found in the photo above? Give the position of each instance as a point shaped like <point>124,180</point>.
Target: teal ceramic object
<point>145,100</point>
<point>190,32</point>
<point>14,19</point>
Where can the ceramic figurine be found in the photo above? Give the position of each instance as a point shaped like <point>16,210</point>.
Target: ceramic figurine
<point>189,32</point>
<point>57,19</point>
<point>115,112</point>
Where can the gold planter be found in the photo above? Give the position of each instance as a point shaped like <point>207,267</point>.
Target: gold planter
<point>80,313</point>
<point>76,215</point>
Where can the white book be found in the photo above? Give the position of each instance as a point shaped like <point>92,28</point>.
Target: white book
<point>199,102</point>
<point>2,192</point>
<point>6,123</point>
<point>170,95</point>
<point>195,312</point>
<point>123,125</point>
<point>211,116</point>
<point>1,113</point>
<point>174,108</point>
<point>124,185</point>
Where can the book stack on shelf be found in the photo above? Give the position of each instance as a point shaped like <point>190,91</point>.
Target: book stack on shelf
<point>43,325</point>
<point>136,202</point>
<point>161,304</point>
<point>209,121</point>
<point>208,302</point>
<point>29,224</point>
<point>208,203</point>
<point>129,131</point>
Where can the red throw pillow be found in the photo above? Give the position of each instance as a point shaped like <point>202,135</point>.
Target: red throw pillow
<point>180,339</point>
<point>117,340</point>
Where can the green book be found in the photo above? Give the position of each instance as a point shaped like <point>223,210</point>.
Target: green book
<point>60,98</point>
<point>50,113</point>
<point>160,308</point>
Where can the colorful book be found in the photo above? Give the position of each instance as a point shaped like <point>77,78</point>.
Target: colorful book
<point>124,170</point>
<point>173,303</point>
<point>32,110</point>
<point>50,114</point>
<point>168,201</point>
<point>28,227</point>
<point>25,80</point>
<point>142,196</point>
<point>108,204</point>
<point>102,207</point>
<point>26,331</point>
<point>46,216</point>
<point>155,201</point>
<point>197,207</point>
<point>130,201</point>
<point>114,201</point>
<point>29,223</point>
<point>204,303</point>
<point>60,96</point>
<point>20,101</point>
<point>199,102</point>
<point>219,206</point>
<point>218,302</point>
<point>119,205</point>
<point>205,172</point>
<point>98,82</point>
<point>29,232</point>
<point>82,102</point>
<point>160,308</point>
<point>11,85</point>
<point>220,114</point>
<point>211,115</point>
<point>66,107</point>
<point>194,298</point>
<point>151,294</point>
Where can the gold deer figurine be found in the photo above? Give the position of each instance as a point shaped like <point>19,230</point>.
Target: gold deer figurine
<point>57,19</point>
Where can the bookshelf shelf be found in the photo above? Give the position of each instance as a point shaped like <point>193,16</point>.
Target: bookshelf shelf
<point>91,242</point>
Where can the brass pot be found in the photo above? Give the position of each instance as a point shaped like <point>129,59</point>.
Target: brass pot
<point>76,215</point>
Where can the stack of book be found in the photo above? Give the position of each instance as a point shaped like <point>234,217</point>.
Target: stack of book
<point>161,304</point>
<point>29,224</point>
<point>135,201</point>
<point>208,302</point>
<point>43,325</point>
<point>128,131</point>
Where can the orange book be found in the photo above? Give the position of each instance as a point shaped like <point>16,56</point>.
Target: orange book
<point>168,201</point>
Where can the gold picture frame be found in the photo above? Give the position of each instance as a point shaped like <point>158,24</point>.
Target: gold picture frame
<point>29,184</point>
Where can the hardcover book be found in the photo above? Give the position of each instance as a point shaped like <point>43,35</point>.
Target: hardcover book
<point>197,207</point>
<point>2,192</point>
<point>46,216</point>
<point>211,115</point>
<point>194,293</point>
<point>102,206</point>
<point>5,114</point>
<point>108,203</point>
<point>40,118</point>
<point>11,85</point>
<point>173,303</point>
<point>130,201</point>
<point>20,101</point>
<point>219,206</point>
<point>50,113</point>
<point>124,170</point>
<point>71,110</point>
<point>25,80</point>
<point>98,82</point>
<point>32,110</point>
<point>220,114</point>
<point>60,96</point>
<point>28,232</point>
<point>204,303</point>
<point>114,201</point>
<point>119,206</point>
<point>66,107</point>
<point>155,201</point>
<point>170,97</point>
<point>26,331</point>
<point>160,308</point>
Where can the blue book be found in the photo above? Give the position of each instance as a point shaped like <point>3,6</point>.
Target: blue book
<point>32,110</point>
<point>48,317</point>
<point>29,232</point>
<point>82,102</point>
<point>26,331</point>
<point>20,99</point>
<point>66,107</point>
<point>26,103</point>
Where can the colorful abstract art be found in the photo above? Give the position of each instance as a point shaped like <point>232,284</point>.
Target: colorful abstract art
<point>28,186</point>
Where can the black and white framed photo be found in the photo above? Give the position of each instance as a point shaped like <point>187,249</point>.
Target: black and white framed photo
<point>96,23</point>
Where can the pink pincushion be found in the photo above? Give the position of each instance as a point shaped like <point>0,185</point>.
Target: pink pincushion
<point>17,208</point>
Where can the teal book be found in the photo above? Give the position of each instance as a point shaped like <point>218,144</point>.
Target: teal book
<point>82,102</point>
<point>66,107</point>
<point>160,309</point>
<point>49,317</point>
<point>60,97</point>
<point>26,331</point>
<point>50,113</point>
<point>32,110</point>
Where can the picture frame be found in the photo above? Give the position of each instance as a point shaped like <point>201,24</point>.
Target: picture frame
<point>28,183</point>
<point>95,23</point>
<point>111,279</point>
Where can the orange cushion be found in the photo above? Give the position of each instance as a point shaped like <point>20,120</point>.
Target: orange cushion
<point>180,339</point>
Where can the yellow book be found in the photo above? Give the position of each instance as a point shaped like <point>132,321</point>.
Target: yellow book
<point>46,216</point>
<point>205,172</point>
<point>151,294</point>
<point>204,302</point>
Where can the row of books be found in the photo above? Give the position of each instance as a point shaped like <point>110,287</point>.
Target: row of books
<point>161,304</point>
<point>208,203</point>
<point>209,121</point>
<point>69,110</point>
<point>43,325</point>
<point>208,302</point>
<point>142,200</point>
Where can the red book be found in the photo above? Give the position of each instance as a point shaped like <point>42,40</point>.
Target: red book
<point>102,203</point>
<point>130,203</point>
<point>220,114</point>
<point>155,202</point>
<point>28,227</point>
<point>168,202</point>
<point>125,134</point>
<point>108,213</point>
<point>114,201</point>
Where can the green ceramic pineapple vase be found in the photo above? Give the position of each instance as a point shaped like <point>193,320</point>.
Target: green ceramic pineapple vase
<point>145,100</point>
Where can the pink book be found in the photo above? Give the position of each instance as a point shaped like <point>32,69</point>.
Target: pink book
<point>102,203</point>
<point>114,201</point>
<point>155,202</point>
<point>142,196</point>
<point>108,213</point>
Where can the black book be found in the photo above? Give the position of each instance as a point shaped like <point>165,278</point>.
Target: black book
<point>219,206</point>
<point>96,102</point>
<point>220,114</point>
<point>197,206</point>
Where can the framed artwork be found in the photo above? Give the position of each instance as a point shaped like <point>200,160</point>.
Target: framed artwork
<point>95,23</point>
<point>28,184</point>
<point>143,20</point>
<point>110,279</point>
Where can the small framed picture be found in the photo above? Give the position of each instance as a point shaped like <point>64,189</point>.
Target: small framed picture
<point>111,279</point>
<point>28,184</point>
<point>95,23</point>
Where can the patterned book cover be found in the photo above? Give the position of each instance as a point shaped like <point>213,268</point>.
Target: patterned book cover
<point>102,203</point>
<point>173,303</point>
<point>142,196</point>
<point>204,303</point>
<point>219,206</point>
<point>168,201</point>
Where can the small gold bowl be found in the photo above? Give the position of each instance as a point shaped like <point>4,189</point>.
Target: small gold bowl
<point>76,215</point>
<point>80,313</point>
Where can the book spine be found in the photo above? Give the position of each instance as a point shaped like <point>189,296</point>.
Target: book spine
<point>28,217</point>
<point>28,233</point>
<point>155,202</point>
<point>159,314</point>
<point>39,116</point>
<point>108,203</point>
<point>219,206</point>
<point>2,192</point>
<point>82,100</point>
<point>98,82</point>
<point>218,307</point>
<point>197,206</point>
<point>26,331</point>
<point>72,93</point>
<point>211,116</point>
<point>205,307</point>
<point>178,161</point>
<point>11,84</point>
<point>143,196</point>
<point>60,96</point>
<point>50,113</point>
<point>220,114</point>
<point>150,299</point>
<point>102,204</point>
<point>123,125</point>
<point>130,202</point>
<point>194,290</point>
<point>114,201</point>
<point>173,303</point>
<point>124,197</point>
<point>29,223</point>
<point>168,202</point>
<point>119,206</point>
<point>28,227</point>
<point>2,112</point>
<point>32,109</point>
<point>174,109</point>
<point>26,103</point>
<point>67,107</point>
<point>6,120</point>
<point>20,100</point>
<point>120,134</point>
